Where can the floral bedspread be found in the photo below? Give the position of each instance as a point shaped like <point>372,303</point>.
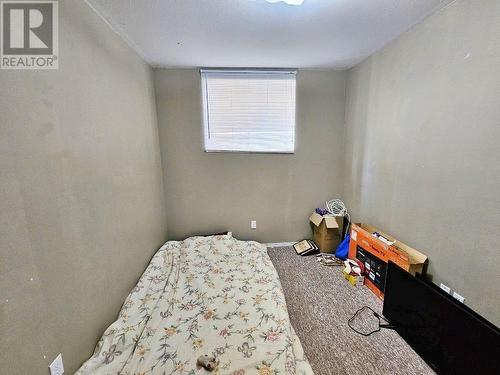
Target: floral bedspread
<point>206,295</point>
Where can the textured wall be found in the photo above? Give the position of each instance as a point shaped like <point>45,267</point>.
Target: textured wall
<point>81,197</point>
<point>209,192</point>
<point>422,150</point>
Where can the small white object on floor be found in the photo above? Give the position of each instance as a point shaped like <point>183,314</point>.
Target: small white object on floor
<point>57,367</point>
<point>352,266</point>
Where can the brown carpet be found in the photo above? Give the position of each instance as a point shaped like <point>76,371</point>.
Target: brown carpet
<point>320,301</point>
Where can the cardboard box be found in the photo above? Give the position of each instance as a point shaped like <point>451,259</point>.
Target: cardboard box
<point>326,231</point>
<point>354,279</point>
<point>375,255</point>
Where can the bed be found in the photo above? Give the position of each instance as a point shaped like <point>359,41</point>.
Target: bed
<point>214,296</point>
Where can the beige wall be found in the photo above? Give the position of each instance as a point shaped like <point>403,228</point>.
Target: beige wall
<point>422,149</point>
<point>81,197</point>
<point>210,192</point>
<point>81,200</point>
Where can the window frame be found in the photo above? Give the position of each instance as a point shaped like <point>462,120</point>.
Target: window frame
<point>205,109</point>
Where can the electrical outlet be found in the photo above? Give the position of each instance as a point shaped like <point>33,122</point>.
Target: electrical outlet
<point>253,224</point>
<point>445,288</point>
<point>57,367</point>
<point>459,297</point>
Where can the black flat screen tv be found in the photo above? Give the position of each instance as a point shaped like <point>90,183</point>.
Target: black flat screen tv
<point>448,335</point>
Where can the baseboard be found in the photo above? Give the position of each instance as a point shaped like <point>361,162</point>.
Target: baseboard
<point>278,244</point>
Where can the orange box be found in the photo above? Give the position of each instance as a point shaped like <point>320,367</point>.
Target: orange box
<point>375,254</point>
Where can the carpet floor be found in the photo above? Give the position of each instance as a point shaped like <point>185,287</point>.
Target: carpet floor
<point>320,301</point>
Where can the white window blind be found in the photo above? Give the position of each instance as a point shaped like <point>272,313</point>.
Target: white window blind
<point>249,111</point>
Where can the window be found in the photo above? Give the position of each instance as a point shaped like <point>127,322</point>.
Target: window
<point>249,111</point>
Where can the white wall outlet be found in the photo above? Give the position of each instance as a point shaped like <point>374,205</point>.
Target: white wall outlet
<point>253,224</point>
<point>57,367</point>
<point>445,288</point>
<point>459,297</point>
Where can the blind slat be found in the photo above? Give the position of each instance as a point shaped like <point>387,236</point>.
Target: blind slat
<point>249,111</point>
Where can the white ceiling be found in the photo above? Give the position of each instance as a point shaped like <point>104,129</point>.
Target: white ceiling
<point>255,33</point>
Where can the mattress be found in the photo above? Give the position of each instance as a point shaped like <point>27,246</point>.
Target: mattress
<point>215,296</point>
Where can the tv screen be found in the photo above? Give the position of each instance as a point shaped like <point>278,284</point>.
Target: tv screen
<point>448,335</point>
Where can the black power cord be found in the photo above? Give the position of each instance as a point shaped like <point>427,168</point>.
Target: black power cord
<point>376,314</point>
